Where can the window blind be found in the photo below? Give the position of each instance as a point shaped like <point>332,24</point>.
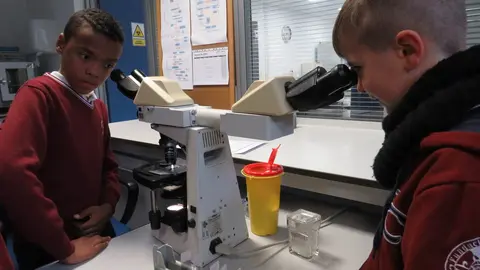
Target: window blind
<point>473,22</point>
<point>291,37</point>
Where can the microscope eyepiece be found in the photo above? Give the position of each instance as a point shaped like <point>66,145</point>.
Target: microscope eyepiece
<point>138,75</point>
<point>128,85</point>
<point>117,75</point>
<point>319,88</point>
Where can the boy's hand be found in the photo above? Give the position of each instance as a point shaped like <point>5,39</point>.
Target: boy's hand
<point>86,248</point>
<point>97,217</point>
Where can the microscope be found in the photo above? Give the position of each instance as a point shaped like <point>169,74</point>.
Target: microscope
<point>195,198</point>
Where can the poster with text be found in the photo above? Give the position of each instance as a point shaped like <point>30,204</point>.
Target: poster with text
<point>176,45</point>
<point>209,21</point>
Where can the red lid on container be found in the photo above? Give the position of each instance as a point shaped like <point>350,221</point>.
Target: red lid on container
<point>263,169</point>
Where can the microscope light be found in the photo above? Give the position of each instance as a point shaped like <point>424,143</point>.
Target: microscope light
<point>175,207</point>
<point>176,217</point>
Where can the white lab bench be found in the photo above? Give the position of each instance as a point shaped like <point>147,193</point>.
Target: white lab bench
<point>327,157</point>
<point>345,245</point>
<point>330,157</point>
<point>320,146</point>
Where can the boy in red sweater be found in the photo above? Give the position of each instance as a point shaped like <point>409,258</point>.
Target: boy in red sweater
<point>411,55</point>
<point>58,178</point>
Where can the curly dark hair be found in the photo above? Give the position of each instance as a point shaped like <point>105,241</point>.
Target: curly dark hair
<point>100,21</point>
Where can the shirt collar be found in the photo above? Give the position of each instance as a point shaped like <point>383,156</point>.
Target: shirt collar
<point>88,99</point>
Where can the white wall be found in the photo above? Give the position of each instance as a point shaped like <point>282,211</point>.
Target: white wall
<point>15,16</point>
<point>57,10</point>
<point>13,23</point>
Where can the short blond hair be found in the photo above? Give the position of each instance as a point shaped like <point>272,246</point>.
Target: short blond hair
<point>375,23</point>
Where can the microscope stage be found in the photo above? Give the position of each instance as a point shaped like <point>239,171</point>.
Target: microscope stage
<point>161,175</point>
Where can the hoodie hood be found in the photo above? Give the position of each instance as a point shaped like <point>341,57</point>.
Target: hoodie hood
<point>440,101</point>
<point>465,136</point>
<point>441,110</point>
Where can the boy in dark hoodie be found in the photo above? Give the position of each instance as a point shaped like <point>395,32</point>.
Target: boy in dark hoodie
<point>411,55</point>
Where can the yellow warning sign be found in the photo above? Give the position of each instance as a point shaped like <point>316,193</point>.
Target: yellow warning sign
<point>139,42</point>
<point>138,32</point>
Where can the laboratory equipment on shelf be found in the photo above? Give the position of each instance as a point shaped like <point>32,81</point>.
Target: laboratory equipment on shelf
<point>195,199</point>
<point>15,69</point>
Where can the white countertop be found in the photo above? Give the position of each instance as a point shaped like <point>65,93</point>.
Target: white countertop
<point>345,245</point>
<point>343,148</point>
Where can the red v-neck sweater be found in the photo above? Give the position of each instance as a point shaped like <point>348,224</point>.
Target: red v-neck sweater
<point>55,161</point>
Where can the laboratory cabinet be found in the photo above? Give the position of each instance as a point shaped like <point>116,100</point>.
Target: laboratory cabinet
<point>12,76</point>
